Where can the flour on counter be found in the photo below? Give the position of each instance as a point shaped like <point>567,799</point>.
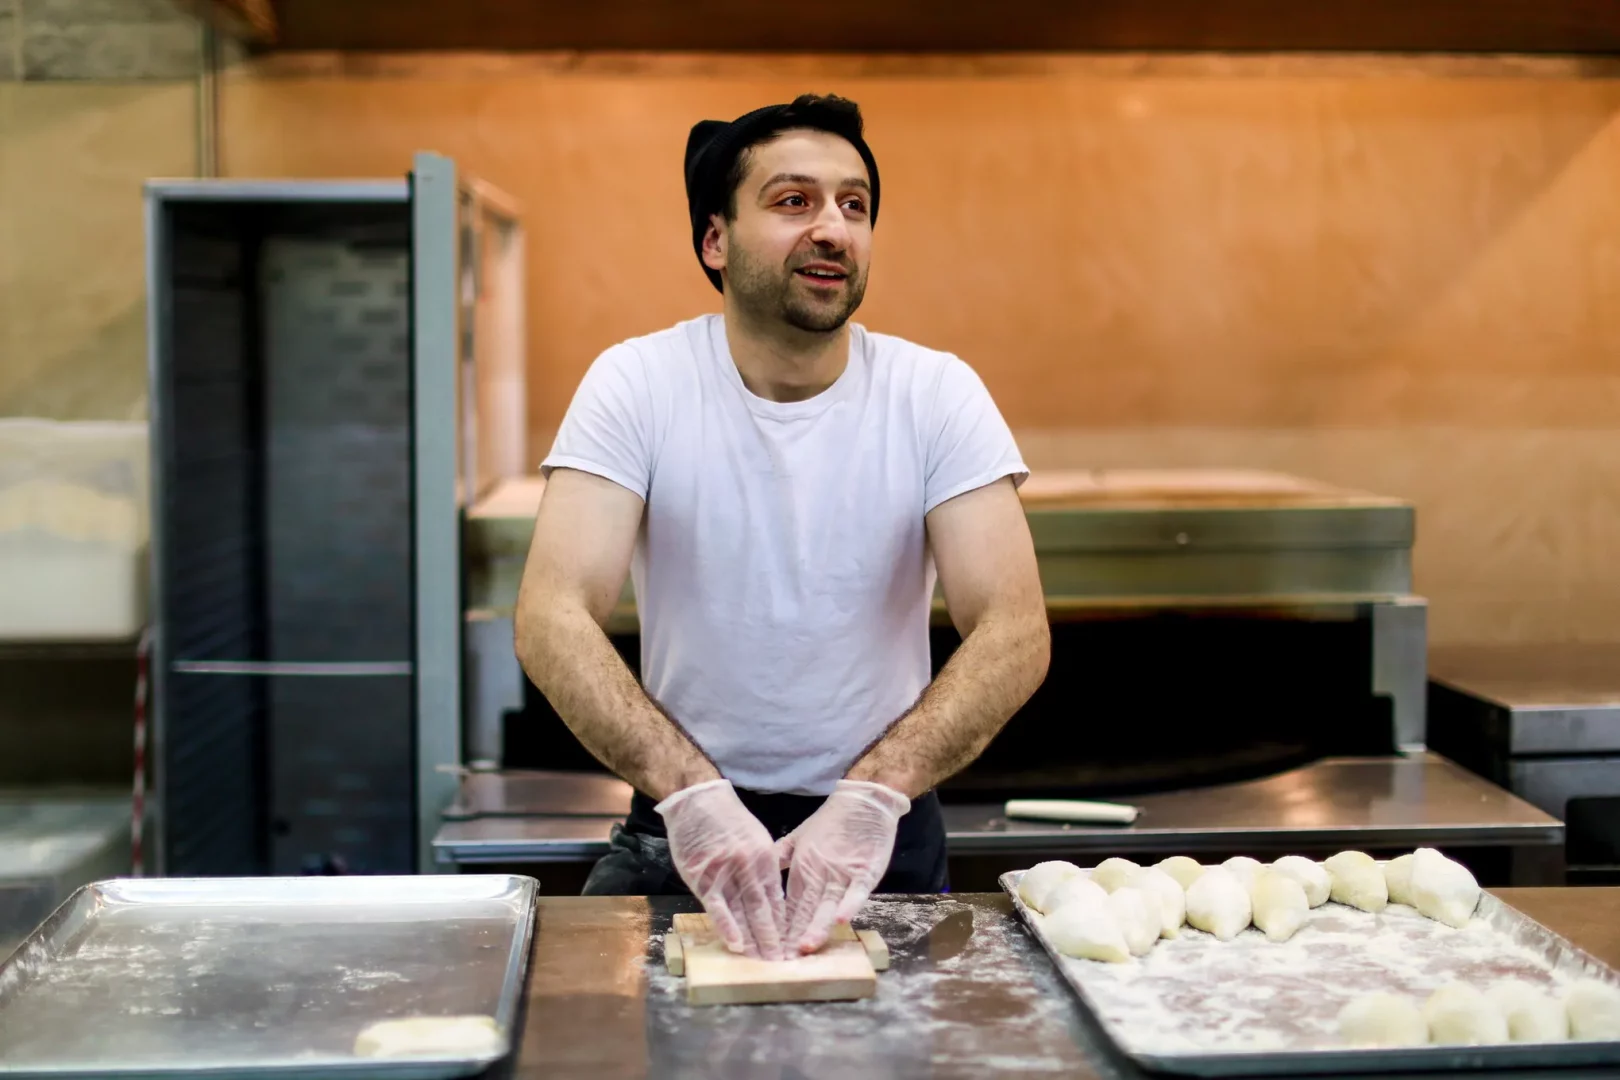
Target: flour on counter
<point>932,1002</point>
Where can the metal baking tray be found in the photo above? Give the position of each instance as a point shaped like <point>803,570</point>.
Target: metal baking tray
<point>261,977</point>
<point>1195,1006</point>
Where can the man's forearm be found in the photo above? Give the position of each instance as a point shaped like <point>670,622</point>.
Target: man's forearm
<point>991,674</point>
<point>572,662</point>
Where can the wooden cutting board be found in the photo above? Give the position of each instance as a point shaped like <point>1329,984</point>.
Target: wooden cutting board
<point>845,969</point>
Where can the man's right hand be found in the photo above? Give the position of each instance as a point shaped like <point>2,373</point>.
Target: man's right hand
<point>728,860</point>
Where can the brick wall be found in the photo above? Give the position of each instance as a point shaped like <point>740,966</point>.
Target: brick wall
<point>46,40</point>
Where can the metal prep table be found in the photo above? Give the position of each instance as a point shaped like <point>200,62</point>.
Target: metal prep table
<point>1544,722</point>
<point>968,994</point>
<point>1369,803</point>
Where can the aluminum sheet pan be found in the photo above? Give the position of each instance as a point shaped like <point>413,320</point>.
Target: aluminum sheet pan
<point>261,977</point>
<point>1196,1006</point>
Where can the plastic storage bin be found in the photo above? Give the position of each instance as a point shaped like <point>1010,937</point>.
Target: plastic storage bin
<point>74,525</point>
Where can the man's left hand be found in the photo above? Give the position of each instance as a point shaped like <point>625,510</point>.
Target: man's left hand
<point>837,857</point>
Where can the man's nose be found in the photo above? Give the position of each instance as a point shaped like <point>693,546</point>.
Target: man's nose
<point>830,229</point>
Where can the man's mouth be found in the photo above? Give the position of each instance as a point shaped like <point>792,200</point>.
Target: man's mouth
<point>823,276</point>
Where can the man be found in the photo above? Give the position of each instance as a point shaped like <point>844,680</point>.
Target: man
<point>782,485</point>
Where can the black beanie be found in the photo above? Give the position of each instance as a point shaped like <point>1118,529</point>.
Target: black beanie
<point>713,146</point>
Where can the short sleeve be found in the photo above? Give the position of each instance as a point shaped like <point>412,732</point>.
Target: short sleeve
<point>969,444</point>
<point>606,430</point>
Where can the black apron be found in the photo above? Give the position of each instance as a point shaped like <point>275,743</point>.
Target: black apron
<point>639,862</point>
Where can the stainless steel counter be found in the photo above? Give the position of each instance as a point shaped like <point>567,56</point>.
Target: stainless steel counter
<point>1544,722</point>
<point>969,994</point>
<point>1349,802</point>
<point>1559,699</point>
<point>1368,802</point>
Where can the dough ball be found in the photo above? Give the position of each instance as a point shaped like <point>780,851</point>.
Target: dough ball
<point>1114,874</point>
<point>1279,903</point>
<point>1078,889</point>
<point>437,1036</point>
<point>1459,1015</point>
<point>1137,917</point>
<point>1442,889</point>
<point>1218,904</point>
<point>1398,880</point>
<point>1357,880</point>
<point>1087,932</point>
<point>1039,879</point>
<point>1170,897</point>
<point>1531,1015</point>
<point>1381,1019</point>
<point>1182,868</point>
<point>1594,1010</point>
<point>1316,882</point>
<point>1244,869</point>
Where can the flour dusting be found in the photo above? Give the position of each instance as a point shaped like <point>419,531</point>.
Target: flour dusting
<point>1195,994</point>
<point>960,961</point>
<point>156,986</point>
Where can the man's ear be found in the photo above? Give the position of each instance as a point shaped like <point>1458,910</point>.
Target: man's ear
<point>714,243</point>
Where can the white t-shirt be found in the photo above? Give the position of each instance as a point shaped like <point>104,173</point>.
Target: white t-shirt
<point>782,574</point>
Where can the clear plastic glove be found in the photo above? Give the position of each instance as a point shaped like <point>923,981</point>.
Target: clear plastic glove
<point>837,857</point>
<point>726,858</point>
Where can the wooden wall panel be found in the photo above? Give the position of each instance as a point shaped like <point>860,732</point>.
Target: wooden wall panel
<point>1397,274</point>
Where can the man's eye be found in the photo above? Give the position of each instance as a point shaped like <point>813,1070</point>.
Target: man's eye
<point>856,205</point>
<point>794,200</point>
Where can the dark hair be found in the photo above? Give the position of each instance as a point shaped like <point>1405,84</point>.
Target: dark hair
<point>819,112</point>
<point>717,156</point>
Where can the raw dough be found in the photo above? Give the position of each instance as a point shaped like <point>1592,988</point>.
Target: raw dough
<point>1531,1015</point>
<point>1357,880</point>
<point>1078,889</point>
<point>1459,1015</point>
<point>1244,869</point>
<point>1184,869</point>
<point>1137,916</point>
<point>432,1036</point>
<point>1280,907</point>
<point>1398,879</point>
<point>1316,882</point>
<point>1218,904</point>
<point>1442,889</point>
<point>1594,1010</point>
<point>1087,932</point>
<point>1380,1019</point>
<point>1114,874</point>
<point>1039,879</point>
<point>1170,897</point>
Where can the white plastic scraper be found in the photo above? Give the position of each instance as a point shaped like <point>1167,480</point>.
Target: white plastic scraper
<point>1072,810</point>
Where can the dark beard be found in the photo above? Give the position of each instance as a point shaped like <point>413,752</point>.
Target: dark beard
<point>769,293</point>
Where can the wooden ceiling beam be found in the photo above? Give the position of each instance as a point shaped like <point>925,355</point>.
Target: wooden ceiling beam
<point>249,20</point>
<point>1532,26</point>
